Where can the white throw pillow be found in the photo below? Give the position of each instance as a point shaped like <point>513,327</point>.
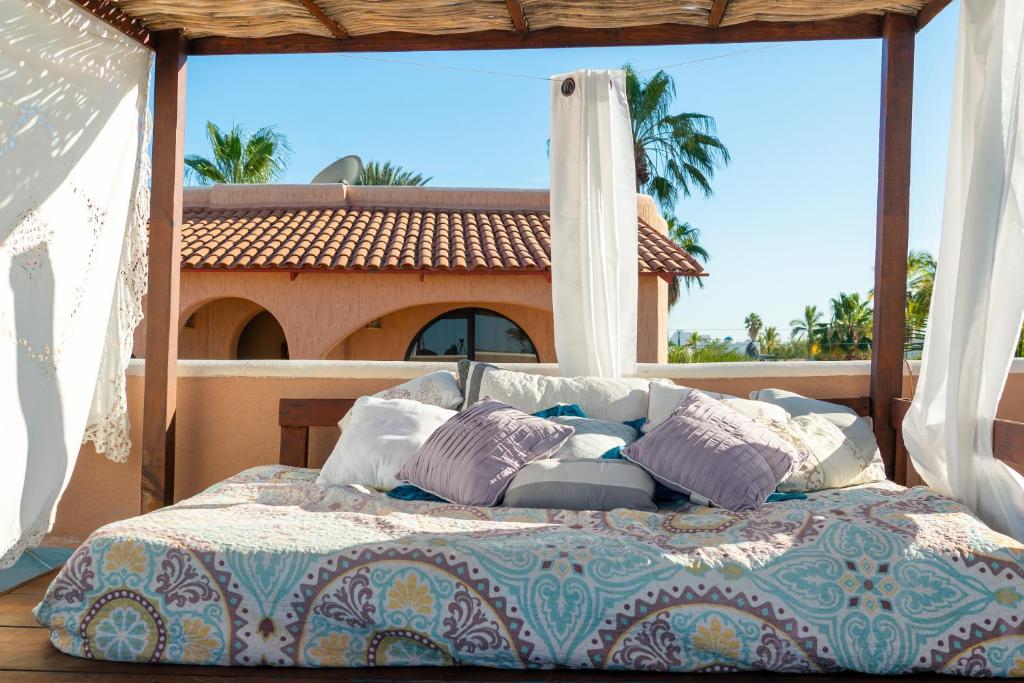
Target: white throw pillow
<point>857,429</point>
<point>439,388</point>
<point>615,400</point>
<point>665,398</point>
<point>832,460</point>
<point>380,436</point>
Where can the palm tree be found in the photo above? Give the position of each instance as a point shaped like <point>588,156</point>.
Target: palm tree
<point>920,283</point>
<point>694,341</point>
<point>687,237</point>
<point>386,173</point>
<point>239,157</point>
<point>850,328</point>
<point>674,153</point>
<point>809,327</point>
<point>753,323</point>
<point>769,340</point>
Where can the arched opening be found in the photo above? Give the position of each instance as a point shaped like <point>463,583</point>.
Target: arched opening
<point>262,338</point>
<point>473,333</point>
<point>229,329</point>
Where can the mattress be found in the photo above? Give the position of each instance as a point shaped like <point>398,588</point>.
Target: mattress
<point>267,568</point>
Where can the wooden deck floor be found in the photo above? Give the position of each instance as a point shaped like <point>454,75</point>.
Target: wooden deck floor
<point>26,656</point>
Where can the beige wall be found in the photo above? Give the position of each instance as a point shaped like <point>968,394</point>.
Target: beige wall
<point>320,310</point>
<point>227,423</point>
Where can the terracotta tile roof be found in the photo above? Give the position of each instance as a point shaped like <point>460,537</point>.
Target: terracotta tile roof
<point>358,238</point>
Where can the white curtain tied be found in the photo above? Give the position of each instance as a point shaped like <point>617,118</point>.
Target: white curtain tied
<point>73,208</point>
<point>978,302</point>
<point>593,225</point>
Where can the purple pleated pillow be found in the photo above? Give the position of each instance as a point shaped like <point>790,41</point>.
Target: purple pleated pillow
<point>710,451</point>
<point>472,458</point>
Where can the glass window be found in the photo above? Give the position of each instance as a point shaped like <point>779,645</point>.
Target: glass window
<point>473,333</point>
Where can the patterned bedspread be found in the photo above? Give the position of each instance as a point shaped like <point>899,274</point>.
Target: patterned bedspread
<point>268,568</point>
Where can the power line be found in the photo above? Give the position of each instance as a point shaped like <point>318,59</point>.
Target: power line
<point>507,74</point>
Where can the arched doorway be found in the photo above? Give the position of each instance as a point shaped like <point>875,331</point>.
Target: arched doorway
<point>229,329</point>
<point>262,338</point>
<point>473,333</point>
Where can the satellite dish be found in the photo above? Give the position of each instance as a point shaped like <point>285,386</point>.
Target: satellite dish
<point>344,170</point>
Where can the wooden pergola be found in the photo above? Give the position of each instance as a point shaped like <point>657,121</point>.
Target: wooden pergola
<point>175,29</point>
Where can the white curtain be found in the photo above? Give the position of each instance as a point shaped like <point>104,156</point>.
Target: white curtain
<point>73,201</point>
<point>978,302</point>
<point>593,225</point>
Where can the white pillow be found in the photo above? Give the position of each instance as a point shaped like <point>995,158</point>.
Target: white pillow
<point>665,398</point>
<point>857,429</point>
<point>833,461</point>
<point>439,388</point>
<point>615,400</point>
<point>380,436</point>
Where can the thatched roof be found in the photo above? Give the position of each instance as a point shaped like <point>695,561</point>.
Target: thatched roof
<point>517,23</point>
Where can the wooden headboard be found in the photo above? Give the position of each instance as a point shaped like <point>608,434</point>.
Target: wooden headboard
<point>297,415</point>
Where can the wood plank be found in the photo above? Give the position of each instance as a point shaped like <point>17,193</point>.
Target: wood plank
<point>855,27</point>
<point>312,412</point>
<point>111,13</point>
<point>16,610</point>
<point>294,447</point>
<point>328,22</point>
<point>518,17</point>
<point>892,227</point>
<point>859,404</point>
<point>164,270</point>
<point>930,11</point>
<point>717,13</point>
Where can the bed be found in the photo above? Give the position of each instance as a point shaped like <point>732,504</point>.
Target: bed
<point>267,568</point>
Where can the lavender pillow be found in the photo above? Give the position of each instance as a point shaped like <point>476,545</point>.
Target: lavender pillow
<point>710,451</point>
<point>472,457</point>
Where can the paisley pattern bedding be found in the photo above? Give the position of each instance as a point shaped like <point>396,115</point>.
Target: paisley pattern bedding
<point>268,568</point>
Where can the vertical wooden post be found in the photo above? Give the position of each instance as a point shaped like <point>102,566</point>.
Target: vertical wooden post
<point>892,226</point>
<point>164,270</point>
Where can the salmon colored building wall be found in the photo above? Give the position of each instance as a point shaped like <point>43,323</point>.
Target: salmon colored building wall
<point>227,419</point>
<point>322,313</point>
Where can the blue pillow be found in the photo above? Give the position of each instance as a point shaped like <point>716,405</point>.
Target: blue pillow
<point>636,424</point>
<point>562,410</point>
<point>410,492</point>
<point>778,497</point>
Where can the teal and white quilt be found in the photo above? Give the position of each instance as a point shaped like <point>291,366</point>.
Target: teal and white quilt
<point>269,568</point>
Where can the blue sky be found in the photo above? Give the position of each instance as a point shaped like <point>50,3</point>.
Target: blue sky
<point>792,219</point>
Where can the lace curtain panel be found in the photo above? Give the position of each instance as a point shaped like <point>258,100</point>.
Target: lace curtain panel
<point>593,225</point>
<point>978,300</point>
<point>73,201</point>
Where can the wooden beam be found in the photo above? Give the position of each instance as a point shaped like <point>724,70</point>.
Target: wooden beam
<point>855,27</point>
<point>892,226</point>
<point>331,24</point>
<point>717,12</point>
<point>518,17</point>
<point>164,270</point>
<point>930,11</point>
<point>111,13</point>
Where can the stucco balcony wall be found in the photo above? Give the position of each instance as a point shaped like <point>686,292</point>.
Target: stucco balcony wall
<point>227,417</point>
